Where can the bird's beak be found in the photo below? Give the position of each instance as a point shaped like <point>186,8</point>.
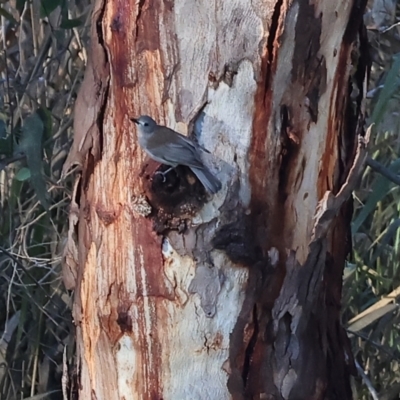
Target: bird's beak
<point>134,120</point>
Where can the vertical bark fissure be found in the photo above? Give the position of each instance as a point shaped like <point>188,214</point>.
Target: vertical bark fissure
<point>272,35</point>
<point>139,14</point>
<point>100,118</point>
<point>288,155</point>
<point>99,27</point>
<point>250,347</point>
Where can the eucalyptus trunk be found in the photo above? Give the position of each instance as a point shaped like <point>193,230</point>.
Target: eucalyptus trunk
<point>184,295</point>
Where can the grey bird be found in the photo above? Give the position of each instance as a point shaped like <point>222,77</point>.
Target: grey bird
<point>171,148</point>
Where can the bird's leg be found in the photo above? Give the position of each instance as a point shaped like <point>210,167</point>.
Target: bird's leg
<point>163,173</point>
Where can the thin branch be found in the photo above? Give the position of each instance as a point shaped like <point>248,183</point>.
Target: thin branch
<point>375,344</point>
<point>367,382</point>
<point>387,173</point>
<point>4,162</point>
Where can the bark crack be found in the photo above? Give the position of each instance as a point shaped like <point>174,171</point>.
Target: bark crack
<point>102,108</point>
<point>139,14</point>
<point>273,31</point>
<point>250,347</point>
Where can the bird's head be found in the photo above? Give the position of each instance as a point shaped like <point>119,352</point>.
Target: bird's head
<point>145,124</point>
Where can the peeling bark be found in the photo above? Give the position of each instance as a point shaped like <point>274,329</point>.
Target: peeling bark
<point>180,295</point>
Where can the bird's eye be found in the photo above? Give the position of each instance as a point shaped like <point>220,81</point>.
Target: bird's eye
<point>146,124</point>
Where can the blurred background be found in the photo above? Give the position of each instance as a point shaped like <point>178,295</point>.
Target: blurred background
<point>42,61</point>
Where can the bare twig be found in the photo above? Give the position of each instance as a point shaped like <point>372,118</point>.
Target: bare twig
<point>64,378</point>
<point>387,173</point>
<point>367,382</point>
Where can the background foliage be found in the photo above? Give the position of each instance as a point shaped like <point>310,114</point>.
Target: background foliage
<point>42,59</point>
<point>372,278</point>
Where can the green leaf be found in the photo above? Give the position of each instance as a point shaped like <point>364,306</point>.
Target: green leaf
<point>380,189</point>
<point>390,87</point>
<point>70,23</point>
<point>31,145</point>
<point>8,16</point>
<point>23,174</point>
<point>47,120</point>
<point>20,4</point>
<point>3,129</point>
<point>48,6</point>
<point>6,146</point>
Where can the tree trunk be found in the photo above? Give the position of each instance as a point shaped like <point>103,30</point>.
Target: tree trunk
<point>183,295</point>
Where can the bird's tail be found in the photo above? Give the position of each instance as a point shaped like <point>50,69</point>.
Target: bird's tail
<point>209,181</point>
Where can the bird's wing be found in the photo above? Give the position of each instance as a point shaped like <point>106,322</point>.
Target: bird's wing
<point>178,153</point>
<point>174,149</point>
<point>188,141</point>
